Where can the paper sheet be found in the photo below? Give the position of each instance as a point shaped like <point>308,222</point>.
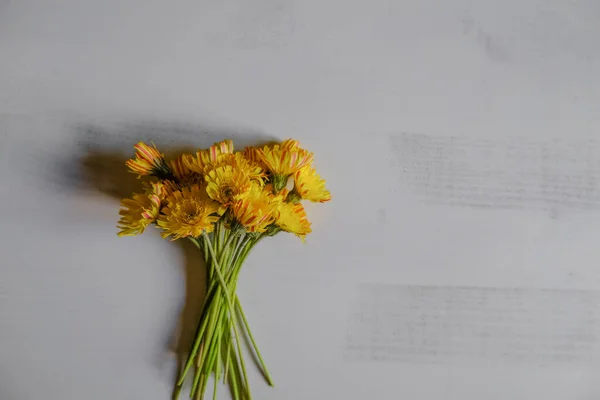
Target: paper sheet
<point>459,257</point>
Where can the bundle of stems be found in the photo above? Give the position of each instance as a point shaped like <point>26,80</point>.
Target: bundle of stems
<point>217,348</point>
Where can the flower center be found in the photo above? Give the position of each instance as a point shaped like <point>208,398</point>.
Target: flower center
<point>191,215</point>
<point>189,211</point>
<point>228,191</point>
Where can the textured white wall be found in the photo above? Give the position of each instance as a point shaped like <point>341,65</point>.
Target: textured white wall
<point>459,139</point>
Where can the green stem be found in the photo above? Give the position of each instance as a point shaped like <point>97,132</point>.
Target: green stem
<point>194,351</point>
<point>176,392</point>
<point>225,251</point>
<point>219,275</point>
<point>262,363</point>
<point>200,331</point>
<point>204,251</point>
<point>234,377</point>
<point>211,339</point>
<point>224,254</point>
<point>232,313</point>
<point>214,334</point>
<point>241,247</point>
<point>202,387</point>
<point>197,376</point>
<point>239,259</point>
<point>227,345</point>
<point>207,260</point>
<point>217,235</point>
<point>218,367</point>
<point>214,318</point>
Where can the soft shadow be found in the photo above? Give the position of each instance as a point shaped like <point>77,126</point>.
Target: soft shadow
<point>106,173</point>
<point>102,169</point>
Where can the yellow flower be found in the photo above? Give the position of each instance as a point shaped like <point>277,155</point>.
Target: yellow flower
<point>162,189</point>
<point>284,160</point>
<point>255,169</point>
<point>255,210</point>
<point>236,160</point>
<point>148,161</point>
<point>309,185</point>
<point>205,157</point>
<point>179,168</point>
<point>183,175</point>
<point>137,213</point>
<point>223,147</point>
<point>292,218</point>
<point>290,144</point>
<point>251,154</point>
<point>225,183</point>
<point>188,212</point>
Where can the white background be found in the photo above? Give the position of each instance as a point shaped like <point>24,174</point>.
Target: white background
<point>87,315</point>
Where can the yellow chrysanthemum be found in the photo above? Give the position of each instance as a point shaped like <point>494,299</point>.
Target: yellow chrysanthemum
<point>255,210</point>
<point>251,154</point>
<point>188,212</point>
<point>255,170</point>
<point>179,168</point>
<point>309,185</point>
<point>183,175</point>
<point>137,213</point>
<point>148,161</point>
<point>203,158</point>
<point>292,218</point>
<point>237,161</point>
<point>286,158</point>
<point>290,144</point>
<point>225,183</point>
<point>162,189</point>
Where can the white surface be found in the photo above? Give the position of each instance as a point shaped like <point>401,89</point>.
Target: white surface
<point>85,315</point>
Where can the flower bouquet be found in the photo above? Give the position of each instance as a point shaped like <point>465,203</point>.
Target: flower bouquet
<point>224,202</point>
